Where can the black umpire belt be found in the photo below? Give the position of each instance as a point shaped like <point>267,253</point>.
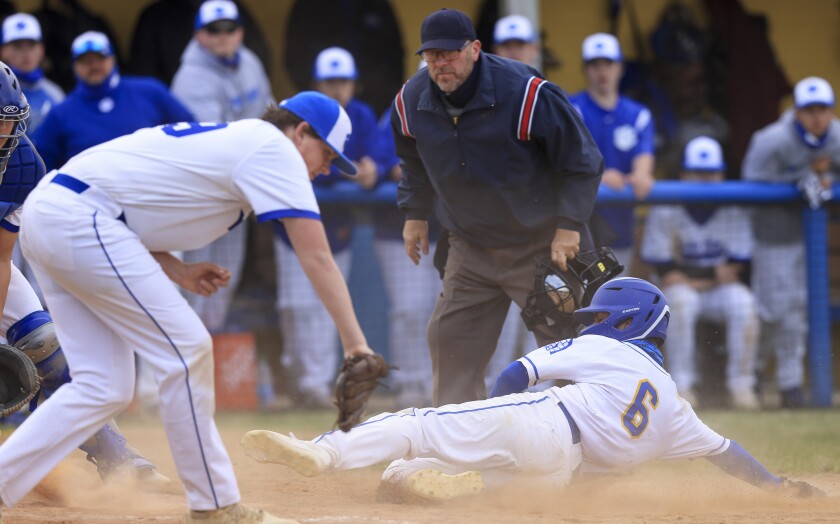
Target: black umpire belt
<point>572,425</point>
<point>77,186</point>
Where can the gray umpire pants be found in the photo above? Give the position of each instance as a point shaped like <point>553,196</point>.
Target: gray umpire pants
<point>478,286</point>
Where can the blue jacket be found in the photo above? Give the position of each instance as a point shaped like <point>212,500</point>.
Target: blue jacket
<point>83,121</point>
<point>23,172</point>
<point>622,134</point>
<point>518,161</point>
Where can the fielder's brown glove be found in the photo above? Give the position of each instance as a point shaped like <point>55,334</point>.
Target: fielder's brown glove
<point>799,489</point>
<point>358,377</point>
<point>19,382</point>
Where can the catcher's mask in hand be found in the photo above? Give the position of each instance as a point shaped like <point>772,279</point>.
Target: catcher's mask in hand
<point>557,294</point>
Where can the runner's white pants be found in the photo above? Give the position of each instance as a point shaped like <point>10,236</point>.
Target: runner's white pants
<point>110,298</point>
<point>526,433</point>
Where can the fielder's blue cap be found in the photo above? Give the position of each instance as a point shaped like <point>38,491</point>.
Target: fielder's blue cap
<point>91,42</point>
<point>446,29</point>
<point>329,121</point>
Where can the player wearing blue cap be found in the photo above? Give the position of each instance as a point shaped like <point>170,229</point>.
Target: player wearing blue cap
<point>621,410</point>
<point>98,233</point>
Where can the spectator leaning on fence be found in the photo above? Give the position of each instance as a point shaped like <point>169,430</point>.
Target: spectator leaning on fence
<point>311,354</point>
<point>803,148</point>
<point>623,130</point>
<point>702,253</point>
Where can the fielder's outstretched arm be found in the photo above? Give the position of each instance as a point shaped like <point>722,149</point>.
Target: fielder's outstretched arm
<point>313,251</point>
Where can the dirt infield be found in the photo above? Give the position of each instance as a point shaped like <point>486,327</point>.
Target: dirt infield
<point>687,492</point>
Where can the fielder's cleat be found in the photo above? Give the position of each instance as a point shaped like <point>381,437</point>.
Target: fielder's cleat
<point>235,514</point>
<point>303,456</point>
<point>431,484</point>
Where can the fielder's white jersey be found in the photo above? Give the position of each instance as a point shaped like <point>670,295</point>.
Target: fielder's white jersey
<point>181,186</point>
<point>673,235</point>
<point>625,404</point>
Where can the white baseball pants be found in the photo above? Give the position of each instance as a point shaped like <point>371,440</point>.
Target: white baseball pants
<point>732,305</point>
<point>21,300</point>
<point>311,350</point>
<point>525,433</point>
<point>412,291</point>
<point>109,298</point>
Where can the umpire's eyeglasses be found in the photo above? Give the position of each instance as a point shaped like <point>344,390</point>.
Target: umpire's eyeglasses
<point>222,26</point>
<point>432,55</point>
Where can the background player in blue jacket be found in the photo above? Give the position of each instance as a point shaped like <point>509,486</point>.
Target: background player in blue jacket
<point>104,104</point>
<point>623,130</point>
<point>24,323</point>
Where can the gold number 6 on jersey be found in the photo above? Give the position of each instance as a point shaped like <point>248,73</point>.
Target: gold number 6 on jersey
<point>636,417</point>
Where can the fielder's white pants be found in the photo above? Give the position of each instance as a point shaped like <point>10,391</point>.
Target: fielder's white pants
<point>229,252</point>
<point>310,339</point>
<point>412,291</point>
<point>521,434</point>
<point>110,298</point>
<point>732,305</point>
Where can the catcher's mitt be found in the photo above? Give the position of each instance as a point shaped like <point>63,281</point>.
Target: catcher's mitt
<point>358,377</point>
<point>799,489</point>
<point>19,381</point>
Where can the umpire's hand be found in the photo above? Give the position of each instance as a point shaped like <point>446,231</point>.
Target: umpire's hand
<point>564,246</point>
<point>416,238</point>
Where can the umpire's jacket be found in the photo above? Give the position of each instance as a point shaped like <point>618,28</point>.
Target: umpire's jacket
<point>517,162</point>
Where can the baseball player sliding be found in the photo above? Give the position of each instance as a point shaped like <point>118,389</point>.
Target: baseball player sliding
<point>98,234</point>
<point>24,323</point>
<point>621,410</point>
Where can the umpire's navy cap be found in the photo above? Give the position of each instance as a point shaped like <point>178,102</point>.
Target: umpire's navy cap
<point>446,29</point>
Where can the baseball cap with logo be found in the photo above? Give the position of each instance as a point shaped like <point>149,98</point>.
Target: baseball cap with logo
<point>813,90</point>
<point>21,26</point>
<point>446,29</point>
<point>329,121</point>
<point>335,63</point>
<point>215,10</point>
<point>703,154</point>
<point>601,46</point>
<point>513,27</point>
<point>91,42</point>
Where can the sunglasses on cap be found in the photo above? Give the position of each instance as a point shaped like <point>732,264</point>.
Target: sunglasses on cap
<point>222,26</point>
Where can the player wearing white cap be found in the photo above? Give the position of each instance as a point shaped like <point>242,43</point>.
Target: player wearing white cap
<point>23,50</point>
<point>623,130</point>
<point>701,254</point>
<point>514,37</point>
<point>98,233</point>
<point>802,147</point>
<point>621,411</point>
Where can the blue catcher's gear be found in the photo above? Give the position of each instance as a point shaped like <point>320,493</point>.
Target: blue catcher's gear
<point>627,298</point>
<point>24,169</point>
<point>13,108</point>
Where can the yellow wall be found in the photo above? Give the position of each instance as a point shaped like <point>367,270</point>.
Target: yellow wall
<point>804,32</point>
